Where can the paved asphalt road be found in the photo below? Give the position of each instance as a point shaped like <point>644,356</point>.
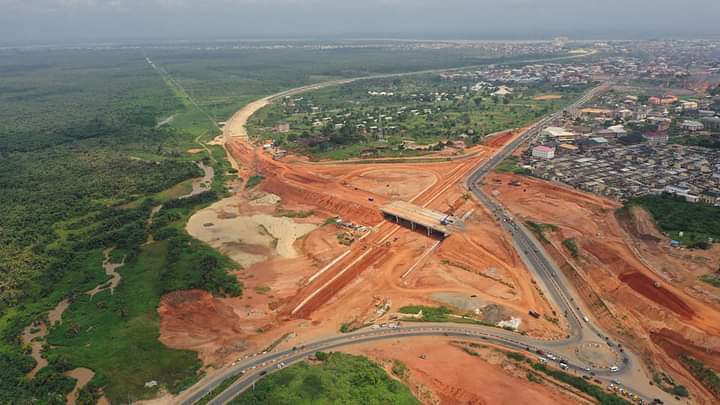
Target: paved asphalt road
<point>253,368</point>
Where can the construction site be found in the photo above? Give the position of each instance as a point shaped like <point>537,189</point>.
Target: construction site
<point>380,237</point>
<point>636,284</point>
<point>336,246</point>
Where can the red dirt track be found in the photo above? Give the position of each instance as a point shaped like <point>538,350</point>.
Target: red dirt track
<point>374,243</point>
<point>646,287</point>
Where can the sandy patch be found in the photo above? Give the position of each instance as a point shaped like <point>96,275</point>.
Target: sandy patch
<point>265,199</point>
<point>111,270</point>
<point>223,228</point>
<point>34,336</point>
<point>83,376</point>
<point>548,97</point>
<point>201,184</point>
<point>194,150</point>
<point>393,183</point>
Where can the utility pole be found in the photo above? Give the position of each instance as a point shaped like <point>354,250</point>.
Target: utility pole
<point>381,137</point>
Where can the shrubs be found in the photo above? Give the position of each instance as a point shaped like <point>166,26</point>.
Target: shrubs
<point>708,377</point>
<point>593,390</point>
<point>571,246</point>
<point>539,229</point>
<point>399,369</point>
<point>673,215</point>
<point>712,279</point>
<point>191,264</point>
<point>253,181</point>
<point>429,314</point>
<point>339,379</point>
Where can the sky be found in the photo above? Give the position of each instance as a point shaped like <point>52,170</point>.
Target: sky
<point>98,20</point>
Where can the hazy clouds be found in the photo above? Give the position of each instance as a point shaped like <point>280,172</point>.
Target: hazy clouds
<point>108,19</point>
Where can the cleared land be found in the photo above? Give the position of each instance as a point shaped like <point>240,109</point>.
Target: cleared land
<point>634,282</point>
<point>319,290</point>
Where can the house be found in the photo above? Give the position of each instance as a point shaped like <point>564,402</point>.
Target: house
<point>664,100</point>
<point>711,123</point>
<point>690,125</point>
<point>710,197</point>
<point>656,138</point>
<point>605,133</point>
<point>282,127</point>
<point>503,91</point>
<point>560,135</point>
<point>687,106</point>
<point>624,114</point>
<point>587,144</point>
<point>663,123</point>
<point>618,130</point>
<point>543,152</point>
<point>632,139</point>
<point>681,192</point>
<point>566,147</point>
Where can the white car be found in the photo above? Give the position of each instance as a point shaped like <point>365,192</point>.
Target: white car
<point>614,369</point>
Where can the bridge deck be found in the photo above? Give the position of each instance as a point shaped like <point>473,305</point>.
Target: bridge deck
<point>426,217</point>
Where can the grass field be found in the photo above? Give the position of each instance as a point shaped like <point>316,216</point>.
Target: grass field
<point>339,379</point>
<point>510,165</point>
<point>103,332</point>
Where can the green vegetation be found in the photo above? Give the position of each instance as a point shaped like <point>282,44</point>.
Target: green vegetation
<point>705,141</point>
<point>400,116</point>
<point>471,351</point>
<point>262,289</point>
<point>87,150</point>
<point>399,369</point>
<point>438,314</point>
<point>668,384</point>
<point>82,163</point>
<point>225,384</point>
<point>339,379</point>
<point>691,223</point>
<point>712,279</point>
<point>510,165</point>
<point>296,214</point>
<point>429,314</point>
<point>707,376</point>
<point>519,357</point>
<point>571,246</point>
<point>680,391</point>
<point>532,377</point>
<point>331,221</point>
<point>254,181</point>
<point>102,332</point>
<point>581,384</point>
<point>539,229</point>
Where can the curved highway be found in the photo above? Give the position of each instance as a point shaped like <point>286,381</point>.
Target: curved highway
<point>250,369</point>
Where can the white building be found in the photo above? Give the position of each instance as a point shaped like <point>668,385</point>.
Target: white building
<point>562,135</point>
<point>503,91</point>
<point>543,152</point>
<point>618,130</point>
<point>690,125</point>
